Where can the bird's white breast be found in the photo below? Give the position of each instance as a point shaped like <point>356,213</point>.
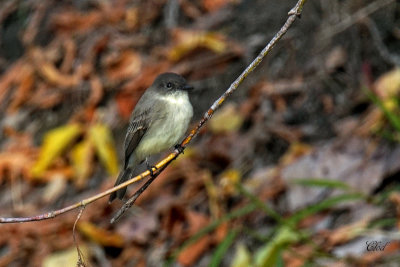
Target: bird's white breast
<point>167,131</point>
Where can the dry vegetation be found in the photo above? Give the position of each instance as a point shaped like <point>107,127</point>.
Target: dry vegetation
<point>300,168</point>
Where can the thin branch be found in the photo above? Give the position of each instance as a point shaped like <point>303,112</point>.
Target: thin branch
<point>356,17</point>
<point>380,45</point>
<point>128,204</point>
<point>293,14</point>
<point>80,255</point>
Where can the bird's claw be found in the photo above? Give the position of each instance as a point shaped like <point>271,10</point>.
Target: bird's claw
<point>179,148</point>
<point>150,168</point>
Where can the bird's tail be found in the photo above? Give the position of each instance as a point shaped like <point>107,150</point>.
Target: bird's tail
<point>123,176</point>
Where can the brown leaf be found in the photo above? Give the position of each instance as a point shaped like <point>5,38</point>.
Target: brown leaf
<point>10,77</point>
<point>125,104</point>
<point>190,254</point>
<point>50,73</point>
<point>22,92</point>
<point>73,21</point>
<point>125,65</point>
<point>139,228</point>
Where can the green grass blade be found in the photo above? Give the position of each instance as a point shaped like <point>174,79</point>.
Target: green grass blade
<point>222,249</point>
<point>260,204</point>
<point>315,182</point>
<point>269,254</point>
<point>323,205</point>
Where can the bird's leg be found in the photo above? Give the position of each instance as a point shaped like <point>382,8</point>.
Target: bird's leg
<point>179,148</point>
<point>150,168</point>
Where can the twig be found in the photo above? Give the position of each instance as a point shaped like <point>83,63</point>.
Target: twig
<point>293,14</point>
<point>81,261</point>
<point>380,46</point>
<point>128,204</point>
<point>356,17</point>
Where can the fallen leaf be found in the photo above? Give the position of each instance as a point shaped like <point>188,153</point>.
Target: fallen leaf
<point>298,256</point>
<point>190,254</point>
<point>71,21</point>
<point>100,235</point>
<point>336,59</point>
<point>139,228</point>
<point>132,18</point>
<point>8,78</point>
<point>186,41</point>
<point>347,232</point>
<point>22,92</point>
<point>125,104</point>
<point>101,137</point>
<point>50,73</point>
<point>361,163</point>
<point>68,257</point>
<point>54,189</point>
<point>388,85</point>
<point>125,65</point>
<point>213,5</point>
<point>81,156</point>
<point>55,142</point>
<point>295,151</point>
<point>228,181</point>
<point>242,257</point>
<point>228,119</point>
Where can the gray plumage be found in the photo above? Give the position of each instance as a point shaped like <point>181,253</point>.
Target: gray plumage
<point>158,122</point>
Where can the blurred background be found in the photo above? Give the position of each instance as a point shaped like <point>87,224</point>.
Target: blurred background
<point>299,168</point>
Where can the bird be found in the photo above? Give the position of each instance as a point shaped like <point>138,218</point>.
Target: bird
<point>157,123</point>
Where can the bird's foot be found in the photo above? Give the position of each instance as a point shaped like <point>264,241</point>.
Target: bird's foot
<point>179,148</point>
<point>150,168</point>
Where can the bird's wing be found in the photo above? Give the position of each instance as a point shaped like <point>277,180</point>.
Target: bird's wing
<point>137,128</point>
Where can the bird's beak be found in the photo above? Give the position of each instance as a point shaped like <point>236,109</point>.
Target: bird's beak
<point>187,87</point>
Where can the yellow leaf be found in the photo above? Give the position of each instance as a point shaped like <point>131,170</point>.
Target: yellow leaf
<point>295,151</point>
<point>66,258</point>
<point>81,156</point>
<point>242,257</point>
<point>186,41</point>
<point>388,85</point>
<point>228,119</point>
<point>55,142</point>
<point>100,236</point>
<point>228,181</point>
<point>101,137</point>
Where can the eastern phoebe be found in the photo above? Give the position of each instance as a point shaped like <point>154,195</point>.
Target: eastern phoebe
<point>158,122</point>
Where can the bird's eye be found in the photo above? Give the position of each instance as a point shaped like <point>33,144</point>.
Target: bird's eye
<point>169,85</point>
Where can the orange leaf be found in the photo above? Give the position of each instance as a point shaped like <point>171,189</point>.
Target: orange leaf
<point>213,5</point>
<point>191,253</point>
<point>25,85</point>
<point>50,73</point>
